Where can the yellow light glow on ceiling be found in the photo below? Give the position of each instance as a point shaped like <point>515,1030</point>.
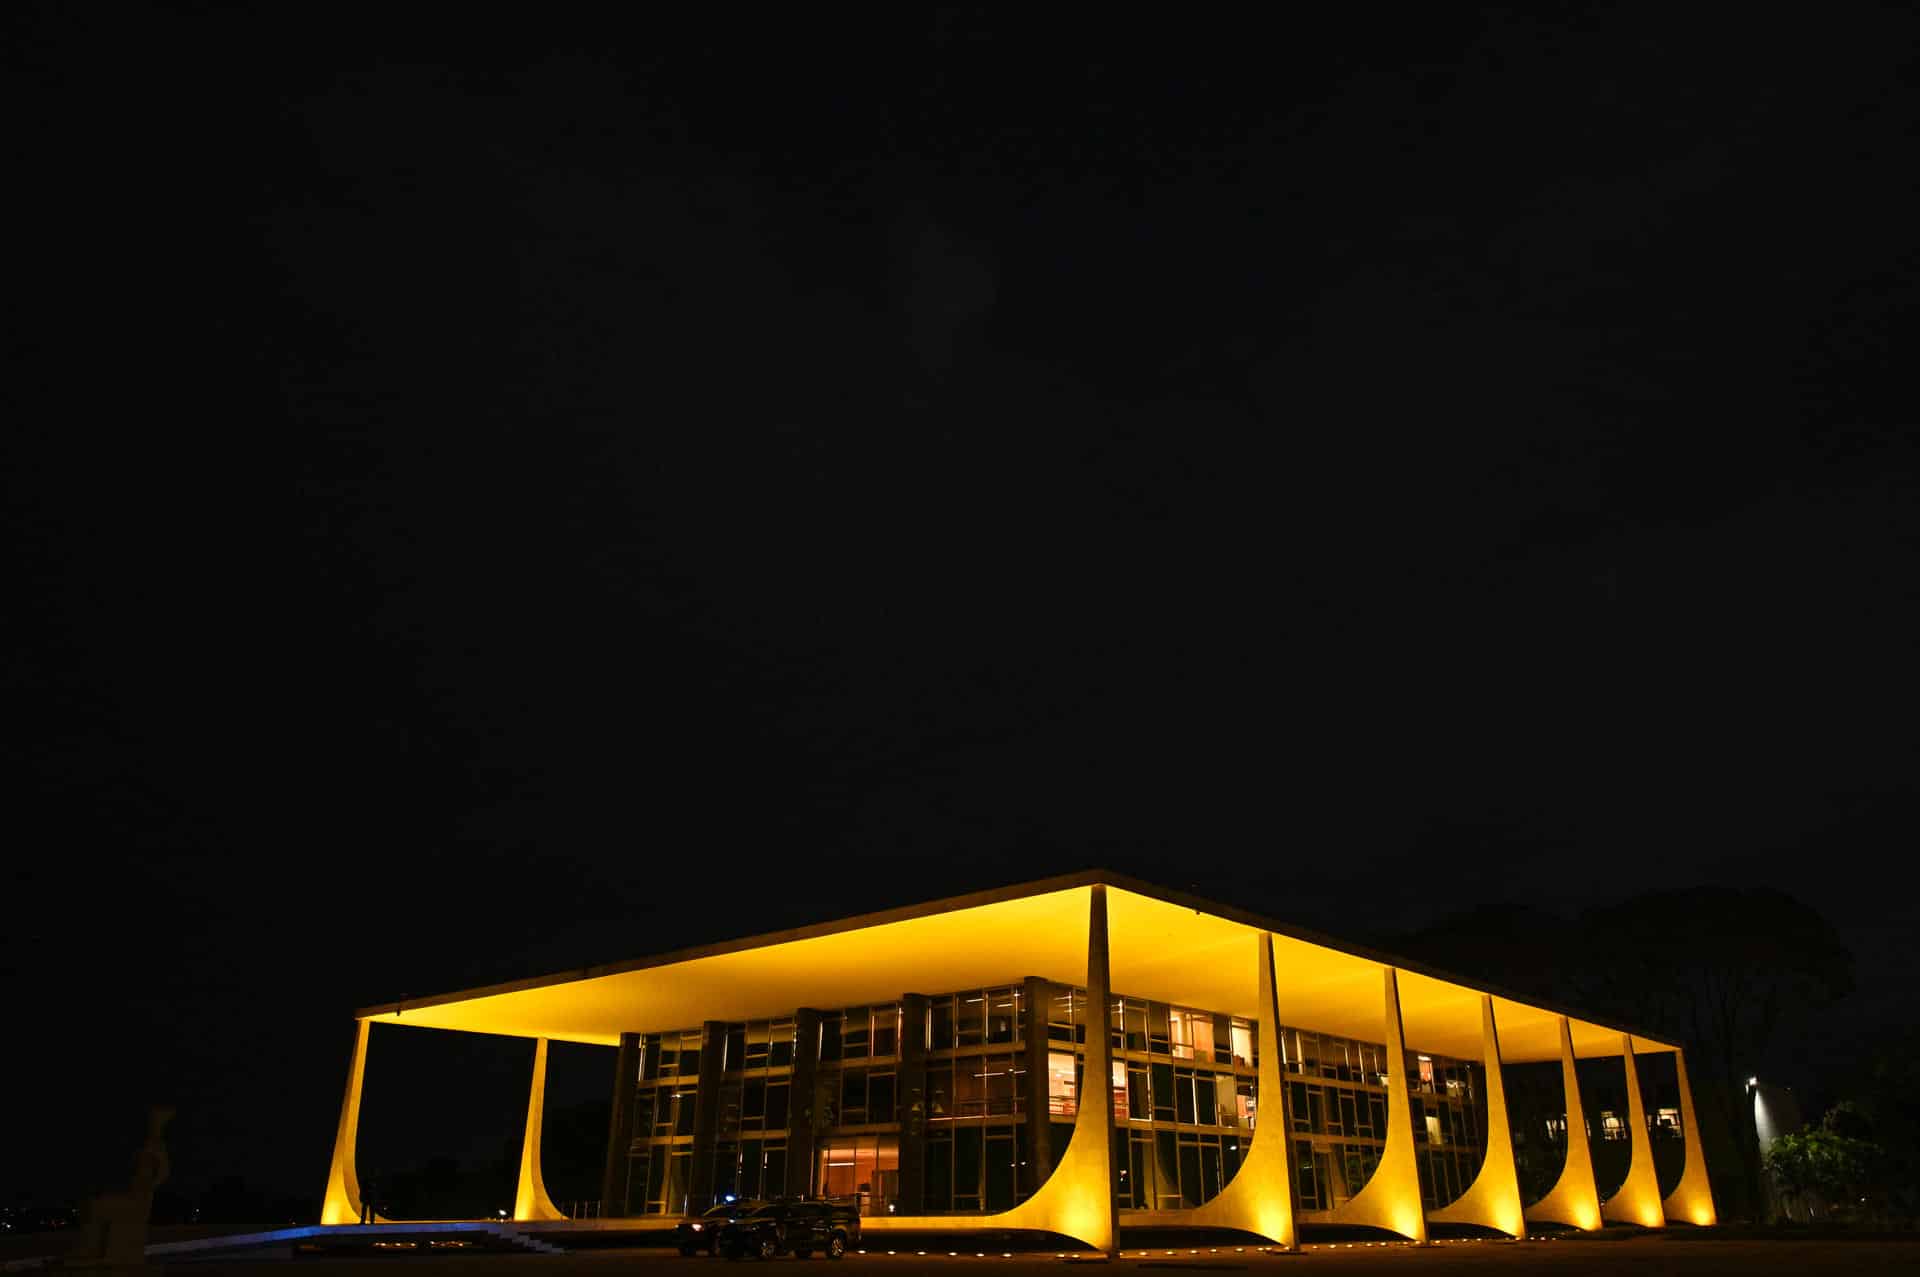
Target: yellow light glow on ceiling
<point>1164,947</point>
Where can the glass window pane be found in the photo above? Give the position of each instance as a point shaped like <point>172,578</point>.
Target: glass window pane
<point>1136,1018</point>
<point>1206,1104</point>
<point>1190,1187</point>
<point>1000,1172</point>
<point>777,1093</point>
<point>656,1178</point>
<point>999,1077</point>
<point>940,1098</point>
<point>880,1097</point>
<point>679,1180</point>
<point>1242,1042</point>
<point>683,1112</point>
<point>776,1178</point>
<point>1060,1084</point>
<point>1157,1027</point>
<point>1166,1170</point>
<point>1210,1181</point>
<point>970,1020</point>
<point>942,1009</point>
<point>854,1034</point>
<point>967,1154</point>
<point>1180,1032</point>
<point>1162,1092</point>
<point>780,1046</point>
<point>970,1086</point>
<point>940,1173</point>
<point>750,1155</point>
<point>1000,1015</point>
<point>886,1031</point>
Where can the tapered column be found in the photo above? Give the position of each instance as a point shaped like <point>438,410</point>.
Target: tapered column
<point>1574,1199</point>
<point>802,1115</point>
<point>1493,1200</point>
<point>913,1105</point>
<point>341,1205</point>
<point>1391,1197</point>
<point>1692,1198</point>
<point>530,1200</point>
<point>1259,1199</point>
<point>1037,993</point>
<point>613,1173</point>
<point>1638,1200</point>
<point>1077,1199</point>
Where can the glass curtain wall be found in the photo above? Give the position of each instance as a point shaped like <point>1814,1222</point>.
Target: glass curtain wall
<point>750,1152</point>
<point>1183,1091</point>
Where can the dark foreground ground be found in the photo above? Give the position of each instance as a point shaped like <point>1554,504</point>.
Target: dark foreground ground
<point>1637,1255</point>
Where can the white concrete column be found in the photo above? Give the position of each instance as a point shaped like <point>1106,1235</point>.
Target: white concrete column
<point>530,1200</point>
<point>1493,1200</point>
<point>1391,1197</point>
<point>1575,1199</point>
<point>1259,1199</point>
<point>1692,1198</point>
<point>1638,1198</point>
<point>341,1205</point>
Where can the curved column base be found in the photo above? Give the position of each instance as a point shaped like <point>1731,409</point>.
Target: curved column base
<point>1390,1199</point>
<point>1493,1199</point>
<point>1692,1198</point>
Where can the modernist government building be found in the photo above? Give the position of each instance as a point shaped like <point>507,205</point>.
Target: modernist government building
<point>934,1061</point>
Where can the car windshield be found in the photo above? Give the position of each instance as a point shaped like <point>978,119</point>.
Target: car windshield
<point>774,1209</point>
<point>725,1209</point>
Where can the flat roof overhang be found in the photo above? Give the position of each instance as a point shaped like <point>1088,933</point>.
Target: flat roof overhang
<point>1164,945</point>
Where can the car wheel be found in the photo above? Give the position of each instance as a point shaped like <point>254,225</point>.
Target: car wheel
<point>837,1246</point>
<point>768,1248</point>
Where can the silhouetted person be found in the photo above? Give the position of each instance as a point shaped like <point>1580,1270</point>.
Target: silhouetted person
<point>368,1192</point>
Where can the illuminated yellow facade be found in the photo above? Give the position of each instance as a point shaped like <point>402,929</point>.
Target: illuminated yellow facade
<point>1261,1015</point>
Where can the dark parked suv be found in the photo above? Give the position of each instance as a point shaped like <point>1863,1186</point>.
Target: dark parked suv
<point>700,1234</point>
<point>799,1228</point>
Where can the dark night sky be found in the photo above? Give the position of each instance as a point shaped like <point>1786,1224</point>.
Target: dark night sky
<point>482,501</point>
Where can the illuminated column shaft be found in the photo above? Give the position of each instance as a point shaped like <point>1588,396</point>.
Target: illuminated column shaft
<point>1575,1199</point>
<point>1259,1199</point>
<point>1493,1200</point>
<point>530,1200</point>
<point>341,1205</point>
<point>1692,1197</point>
<point>1391,1198</point>
<point>1095,1117</point>
<point>1638,1201</point>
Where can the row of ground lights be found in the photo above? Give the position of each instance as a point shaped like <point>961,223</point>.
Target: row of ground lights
<point>1241,1250</point>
